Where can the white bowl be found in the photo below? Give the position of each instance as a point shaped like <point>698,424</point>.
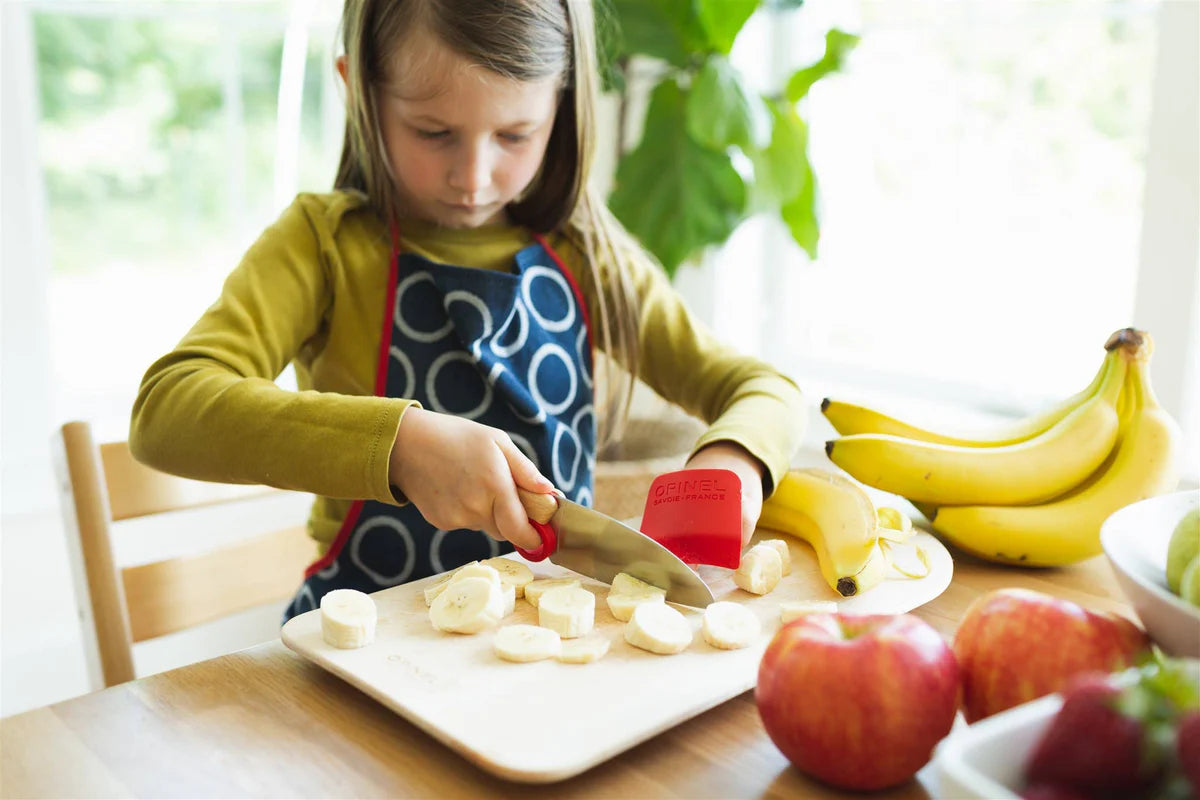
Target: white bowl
<point>1135,540</point>
<point>986,761</point>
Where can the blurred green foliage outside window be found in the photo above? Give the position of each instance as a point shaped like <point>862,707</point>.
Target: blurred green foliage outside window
<point>158,135</point>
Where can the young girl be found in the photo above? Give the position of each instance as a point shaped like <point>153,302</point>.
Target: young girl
<point>441,307</point>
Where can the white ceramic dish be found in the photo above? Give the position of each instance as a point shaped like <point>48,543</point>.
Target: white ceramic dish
<point>986,761</point>
<point>1135,540</point>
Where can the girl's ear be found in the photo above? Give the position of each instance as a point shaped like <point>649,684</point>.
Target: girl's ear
<point>340,63</point>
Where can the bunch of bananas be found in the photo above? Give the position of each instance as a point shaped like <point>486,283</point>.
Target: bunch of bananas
<point>1033,492</point>
<point>837,518</point>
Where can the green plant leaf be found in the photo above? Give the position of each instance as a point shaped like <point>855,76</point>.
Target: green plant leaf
<point>673,194</point>
<point>800,215</point>
<point>723,111</point>
<point>837,45</point>
<point>723,19</point>
<point>666,29</point>
<point>781,168</point>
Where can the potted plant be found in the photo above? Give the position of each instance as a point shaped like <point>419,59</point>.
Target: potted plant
<point>680,189</point>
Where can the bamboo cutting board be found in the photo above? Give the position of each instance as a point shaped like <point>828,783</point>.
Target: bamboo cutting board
<point>547,721</point>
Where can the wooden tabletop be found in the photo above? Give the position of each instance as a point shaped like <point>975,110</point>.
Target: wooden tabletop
<point>265,722</point>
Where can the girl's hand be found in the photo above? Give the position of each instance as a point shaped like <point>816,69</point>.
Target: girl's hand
<point>727,455</point>
<point>461,474</point>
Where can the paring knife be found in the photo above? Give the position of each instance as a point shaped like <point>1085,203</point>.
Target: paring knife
<point>594,544</point>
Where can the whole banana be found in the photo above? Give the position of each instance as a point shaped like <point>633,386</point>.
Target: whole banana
<point>1067,529</point>
<point>848,418</point>
<point>837,518</point>
<point>1030,471</point>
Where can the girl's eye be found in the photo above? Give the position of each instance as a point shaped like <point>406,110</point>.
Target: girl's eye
<point>432,134</point>
<point>515,138</point>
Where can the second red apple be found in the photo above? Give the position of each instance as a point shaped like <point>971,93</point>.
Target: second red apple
<point>1014,645</point>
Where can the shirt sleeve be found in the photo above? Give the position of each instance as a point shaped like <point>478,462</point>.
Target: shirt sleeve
<point>742,399</point>
<point>210,409</point>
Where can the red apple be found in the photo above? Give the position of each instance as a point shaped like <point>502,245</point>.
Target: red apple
<point>1014,645</point>
<point>858,701</point>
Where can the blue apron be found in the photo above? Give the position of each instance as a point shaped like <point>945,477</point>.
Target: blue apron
<point>509,350</point>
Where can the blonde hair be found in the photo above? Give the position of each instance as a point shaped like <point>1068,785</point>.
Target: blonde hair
<point>523,40</point>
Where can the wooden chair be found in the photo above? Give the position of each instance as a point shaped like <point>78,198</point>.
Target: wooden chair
<point>120,606</point>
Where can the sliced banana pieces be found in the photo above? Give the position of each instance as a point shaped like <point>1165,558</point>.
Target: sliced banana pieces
<point>347,618</point>
<point>658,628</point>
<point>508,593</point>
<point>512,573</point>
<point>535,589</point>
<point>474,570</point>
<point>468,605</point>
<point>625,583</point>
<point>434,589</point>
<point>729,626</point>
<point>583,651</point>
<point>627,592</point>
<point>799,608</point>
<point>570,611</point>
<point>760,570</point>
<point>622,605</point>
<point>785,555</point>
<point>524,643</point>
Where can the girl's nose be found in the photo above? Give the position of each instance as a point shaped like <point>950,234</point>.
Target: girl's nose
<point>471,172</point>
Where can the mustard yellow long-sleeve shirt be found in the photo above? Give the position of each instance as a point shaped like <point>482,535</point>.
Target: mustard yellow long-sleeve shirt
<point>311,291</point>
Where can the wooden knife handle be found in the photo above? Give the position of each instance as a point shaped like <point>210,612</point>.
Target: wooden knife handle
<point>539,507</point>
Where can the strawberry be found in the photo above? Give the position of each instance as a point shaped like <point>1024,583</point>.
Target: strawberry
<point>1093,745</point>
<point>1187,749</point>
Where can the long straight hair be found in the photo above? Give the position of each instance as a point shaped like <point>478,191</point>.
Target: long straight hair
<point>524,40</point>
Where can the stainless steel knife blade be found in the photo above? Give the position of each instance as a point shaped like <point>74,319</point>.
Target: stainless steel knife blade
<point>596,545</point>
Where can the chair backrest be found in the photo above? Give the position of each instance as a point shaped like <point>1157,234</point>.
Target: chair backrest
<point>119,606</point>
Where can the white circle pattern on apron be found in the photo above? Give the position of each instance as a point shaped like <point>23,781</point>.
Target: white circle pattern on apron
<point>527,280</point>
<point>358,544</point>
<point>401,321</point>
<point>431,393</point>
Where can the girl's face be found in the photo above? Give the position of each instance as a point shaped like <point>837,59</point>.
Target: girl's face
<point>462,141</point>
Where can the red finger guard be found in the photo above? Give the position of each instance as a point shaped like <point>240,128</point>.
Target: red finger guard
<point>546,548</point>
<point>697,515</point>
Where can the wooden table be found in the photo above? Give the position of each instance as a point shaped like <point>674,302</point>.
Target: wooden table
<point>266,723</point>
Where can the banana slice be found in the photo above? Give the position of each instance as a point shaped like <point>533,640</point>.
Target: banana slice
<point>513,573</point>
<point>799,608</point>
<point>468,605</point>
<point>474,570</point>
<point>509,594</point>
<point>622,604</point>
<point>435,588</point>
<point>785,555</point>
<point>658,628</point>
<point>524,643</point>
<point>625,583</point>
<point>568,610</point>
<point>535,589</point>
<point>730,626</point>
<point>347,618</point>
<point>583,651</point>
<point>760,570</point>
